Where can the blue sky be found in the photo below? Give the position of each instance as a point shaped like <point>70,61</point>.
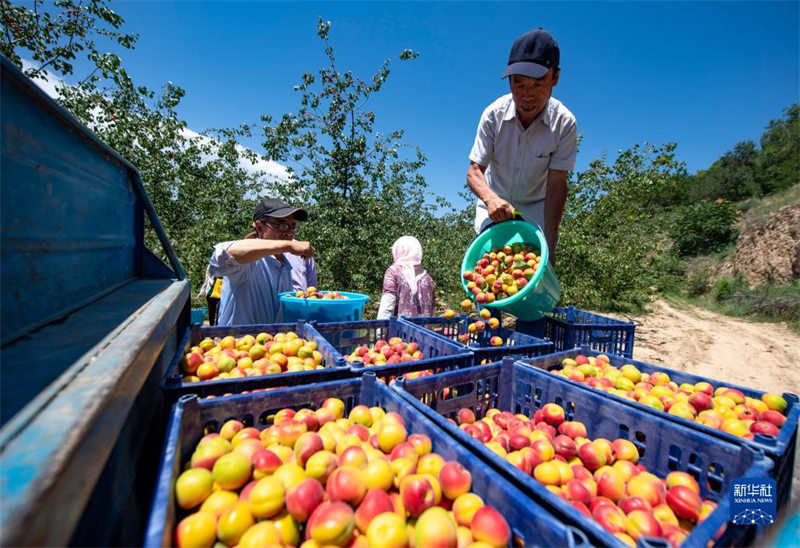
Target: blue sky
<point>703,74</point>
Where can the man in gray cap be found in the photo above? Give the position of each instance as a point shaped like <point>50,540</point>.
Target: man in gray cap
<point>257,269</point>
<point>526,143</point>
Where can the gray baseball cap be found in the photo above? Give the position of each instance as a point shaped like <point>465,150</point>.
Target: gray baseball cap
<point>275,207</point>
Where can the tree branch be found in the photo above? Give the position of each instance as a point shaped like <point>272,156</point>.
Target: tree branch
<point>5,24</point>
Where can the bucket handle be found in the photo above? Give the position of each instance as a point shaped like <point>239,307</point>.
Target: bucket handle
<point>517,217</point>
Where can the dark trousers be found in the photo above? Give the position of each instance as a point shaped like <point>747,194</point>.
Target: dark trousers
<point>213,307</point>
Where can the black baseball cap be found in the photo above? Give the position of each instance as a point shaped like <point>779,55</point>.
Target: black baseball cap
<point>275,207</point>
<point>533,54</point>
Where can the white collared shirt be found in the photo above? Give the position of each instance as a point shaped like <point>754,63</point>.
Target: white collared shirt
<point>518,158</point>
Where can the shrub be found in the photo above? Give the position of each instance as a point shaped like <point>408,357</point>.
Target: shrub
<point>703,227</point>
<point>769,301</point>
<point>612,252</point>
<point>698,282</point>
<point>724,289</point>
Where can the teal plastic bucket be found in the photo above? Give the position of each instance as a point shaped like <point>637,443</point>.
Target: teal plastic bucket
<point>323,310</point>
<point>540,295</point>
<point>198,315</point>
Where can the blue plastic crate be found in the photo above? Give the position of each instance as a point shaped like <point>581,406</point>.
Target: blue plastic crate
<point>191,418</point>
<point>570,327</point>
<point>780,449</point>
<point>519,345</point>
<point>663,445</point>
<point>174,386</point>
<point>450,328</point>
<point>440,354</point>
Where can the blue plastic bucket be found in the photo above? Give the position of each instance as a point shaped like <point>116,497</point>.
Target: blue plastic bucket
<point>540,295</point>
<point>323,310</point>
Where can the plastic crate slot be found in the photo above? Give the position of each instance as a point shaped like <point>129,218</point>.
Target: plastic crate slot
<point>263,418</point>
<point>653,542</point>
<point>623,431</point>
<point>428,399</point>
<point>716,477</point>
<point>674,458</point>
<point>569,410</point>
<point>537,398</point>
<point>640,441</point>
<point>247,420</point>
<point>560,402</point>
<point>598,335</point>
<point>695,466</point>
<point>523,391</point>
<point>211,427</point>
<point>486,400</point>
<point>468,388</point>
<point>349,403</point>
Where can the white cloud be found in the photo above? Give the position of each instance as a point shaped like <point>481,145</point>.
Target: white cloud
<point>271,169</point>
<point>50,84</point>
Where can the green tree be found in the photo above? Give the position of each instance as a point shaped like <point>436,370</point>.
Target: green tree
<point>613,248</point>
<point>780,152</point>
<point>362,187</point>
<point>735,176</point>
<point>199,184</point>
<point>703,227</point>
<point>53,41</point>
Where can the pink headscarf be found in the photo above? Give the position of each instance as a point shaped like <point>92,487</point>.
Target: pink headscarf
<point>407,252</point>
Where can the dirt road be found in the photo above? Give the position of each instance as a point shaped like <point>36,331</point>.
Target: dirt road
<point>764,356</point>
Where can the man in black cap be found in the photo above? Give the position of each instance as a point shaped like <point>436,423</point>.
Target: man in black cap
<point>526,143</point>
<point>256,270</point>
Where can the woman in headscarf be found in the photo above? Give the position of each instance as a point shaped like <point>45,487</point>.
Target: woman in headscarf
<point>408,290</point>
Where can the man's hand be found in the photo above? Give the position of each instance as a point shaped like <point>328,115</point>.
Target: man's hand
<point>499,209</point>
<point>303,249</point>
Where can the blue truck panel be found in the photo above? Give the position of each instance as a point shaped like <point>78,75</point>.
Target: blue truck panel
<point>90,319</point>
<point>66,211</point>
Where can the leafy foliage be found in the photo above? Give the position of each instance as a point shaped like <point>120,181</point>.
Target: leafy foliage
<point>54,40</point>
<point>613,247</point>
<point>734,176</point>
<point>362,187</point>
<point>780,152</point>
<point>747,171</point>
<point>704,227</point>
